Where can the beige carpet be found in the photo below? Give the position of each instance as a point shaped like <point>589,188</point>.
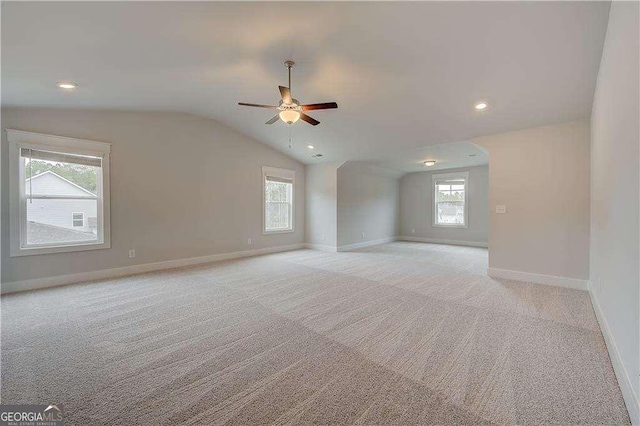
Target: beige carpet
<point>403,333</point>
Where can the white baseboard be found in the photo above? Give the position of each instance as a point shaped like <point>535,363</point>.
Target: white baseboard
<point>448,242</point>
<point>38,283</point>
<point>529,277</point>
<point>364,244</point>
<point>321,247</point>
<point>624,380</point>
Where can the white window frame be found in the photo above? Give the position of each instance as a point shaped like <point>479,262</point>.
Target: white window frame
<point>73,219</point>
<point>284,174</point>
<point>19,139</point>
<point>434,206</point>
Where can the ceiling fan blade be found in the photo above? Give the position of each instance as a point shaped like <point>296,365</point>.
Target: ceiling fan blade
<point>257,105</point>
<point>326,105</point>
<point>273,120</point>
<point>308,119</point>
<point>286,95</point>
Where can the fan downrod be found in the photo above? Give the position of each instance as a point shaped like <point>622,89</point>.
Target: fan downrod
<point>289,65</point>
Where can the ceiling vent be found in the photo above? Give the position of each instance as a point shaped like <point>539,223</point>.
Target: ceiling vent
<point>316,155</point>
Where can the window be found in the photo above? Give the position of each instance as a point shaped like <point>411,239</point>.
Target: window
<point>450,200</point>
<point>278,200</point>
<point>77,219</point>
<point>58,186</point>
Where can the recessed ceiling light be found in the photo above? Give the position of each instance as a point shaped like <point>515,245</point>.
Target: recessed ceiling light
<point>430,163</point>
<point>67,85</point>
<point>311,147</point>
<point>481,105</point>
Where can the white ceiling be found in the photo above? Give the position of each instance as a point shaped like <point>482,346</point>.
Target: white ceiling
<point>447,156</point>
<point>405,75</point>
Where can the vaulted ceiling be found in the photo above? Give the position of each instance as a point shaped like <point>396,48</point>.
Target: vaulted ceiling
<point>405,75</point>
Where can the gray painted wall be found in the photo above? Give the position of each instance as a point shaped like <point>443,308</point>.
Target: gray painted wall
<point>368,201</point>
<point>542,176</point>
<point>416,207</point>
<point>322,205</point>
<point>181,186</point>
<point>615,211</point>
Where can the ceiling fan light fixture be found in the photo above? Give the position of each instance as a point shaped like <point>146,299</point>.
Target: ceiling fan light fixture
<point>291,109</point>
<point>289,116</point>
<point>430,163</point>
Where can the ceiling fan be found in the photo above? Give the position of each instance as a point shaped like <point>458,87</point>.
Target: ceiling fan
<point>290,109</point>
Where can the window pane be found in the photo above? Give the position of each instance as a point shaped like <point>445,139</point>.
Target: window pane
<point>278,206</point>
<point>277,191</point>
<point>450,192</point>
<point>278,216</point>
<point>48,177</point>
<point>50,221</point>
<point>450,195</point>
<point>450,213</point>
<point>61,202</point>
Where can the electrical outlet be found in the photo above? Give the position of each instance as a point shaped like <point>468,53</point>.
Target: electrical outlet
<point>501,209</point>
<point>363,235</point>
<point>248,241</point>
<point>413,231</point>
<point>323,237</point>
<point>132,253</point>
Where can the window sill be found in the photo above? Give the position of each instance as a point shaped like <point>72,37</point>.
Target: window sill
<point>33,251</point>
<point>284,231</point>
<point>438,225</point>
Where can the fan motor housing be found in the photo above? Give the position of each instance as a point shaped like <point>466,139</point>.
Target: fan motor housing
<point>294,105</point>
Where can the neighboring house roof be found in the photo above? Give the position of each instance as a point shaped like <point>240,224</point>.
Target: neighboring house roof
<point>38,233</point>
<point>51,183</point>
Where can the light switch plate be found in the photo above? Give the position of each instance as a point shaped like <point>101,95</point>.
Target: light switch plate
<point>501,208</point>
